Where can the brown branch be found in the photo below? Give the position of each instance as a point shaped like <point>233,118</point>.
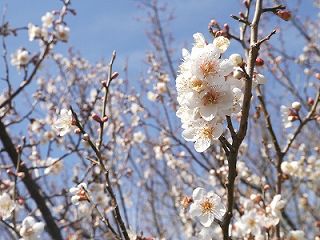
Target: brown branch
<point>105,99</point>
<point>232,157</point>
<point>303,122</point>
<point>31,185</point>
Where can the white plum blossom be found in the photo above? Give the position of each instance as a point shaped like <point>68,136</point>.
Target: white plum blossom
<point>296,106</point>
<point>80,193</point>
<point>62,32</point>
<point>259,79</point>
<point>296,235</point>
<point>139,137</point>
<point>206,206</point>
<point>7,205</point>
<point>30,229</point>
<point>251,223</point>
<point>236,59</point>
<point>65,123</point>
<point>205,95</point>
<point>221,43</point>
<point>288,116</point>
<point>203,133</point>
<point>55,166</point>
<point>290,168</point>
<point>47,20</point>
<point>276,205</point>
<point>20,58</point>
<point>34,32</point>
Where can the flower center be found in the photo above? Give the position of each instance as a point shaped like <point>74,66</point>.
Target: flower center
<point>210,97</point>
<point>207,132</point>
<point>208,68</point>
<point>252,222</point>
<point>197,85</point>
<point>207,206</point>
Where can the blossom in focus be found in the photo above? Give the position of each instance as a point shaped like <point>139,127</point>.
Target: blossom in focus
<point>203,133</point>
<point>30,229</point>
<point>6,206</point>
<point>20,58</point>
<point>64,124</point>
<point>206,206</point>
<point>204,95</point>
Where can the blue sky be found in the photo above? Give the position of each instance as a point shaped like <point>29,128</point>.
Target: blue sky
<point>104,25</point>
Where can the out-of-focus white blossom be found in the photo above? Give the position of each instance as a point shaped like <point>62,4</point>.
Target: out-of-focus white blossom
<point>55,166</point>
<point>47,20</point>
<point>62,32</point>
<point>152,96</point>
<point>206,206</point>
<point>276,205</point>
<point>7,205</point>
<point>259,79</point>
<point>251,223</point>
<point>296,235</point>
<point>139,137</point>
<point>33,32</point>
<point>79,193</point>
<point>161,87</point>
<point>290,168</point>
<point>236,59</point>
<point>30,229</point>
<point>20,58</point>
<point>288,116</point>
<point>296,106</point>
<point>221,43</point>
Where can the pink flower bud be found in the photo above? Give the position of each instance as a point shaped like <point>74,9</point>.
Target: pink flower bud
<point>310,101</point>
<point>246,3</point>
<point>259,62</point>
<point>105,119</point>
<point>104,83</point>
<point>96,117</point>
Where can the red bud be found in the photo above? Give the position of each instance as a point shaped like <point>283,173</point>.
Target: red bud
<point>105,119</point>
<point>259,62</point>
<point>284,14</point>
<point>96,117</point>
<point>310,101</point>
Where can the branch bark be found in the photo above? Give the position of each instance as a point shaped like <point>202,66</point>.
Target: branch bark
<point>31,185</point>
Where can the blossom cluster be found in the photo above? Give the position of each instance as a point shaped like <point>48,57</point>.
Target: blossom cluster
<point>207,90</point>
<point>52,29</point>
